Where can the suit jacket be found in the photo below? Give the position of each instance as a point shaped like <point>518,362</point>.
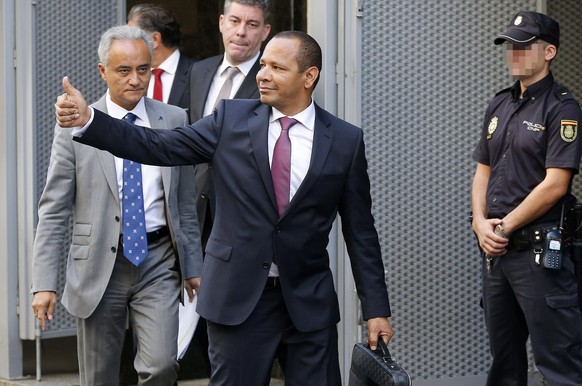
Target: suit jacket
<point>201,76</point>
<point>247,230</point>
<point>180,93</point>
<point>82,182</point>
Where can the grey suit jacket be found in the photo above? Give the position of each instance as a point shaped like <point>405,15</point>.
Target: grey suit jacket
<point>82,182</point>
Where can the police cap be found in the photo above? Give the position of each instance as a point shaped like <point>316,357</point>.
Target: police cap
<point>527,26</point>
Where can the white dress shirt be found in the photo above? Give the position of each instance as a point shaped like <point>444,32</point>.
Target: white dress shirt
<point>301,136</point>
<point>153,190</point>
<point>170,65</point>
<point>220,78</point>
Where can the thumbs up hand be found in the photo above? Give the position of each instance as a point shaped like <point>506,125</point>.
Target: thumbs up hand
<point>71,108</point>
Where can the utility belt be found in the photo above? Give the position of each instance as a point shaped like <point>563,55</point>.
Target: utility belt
<point>528,237</point>
<point>547,241</point>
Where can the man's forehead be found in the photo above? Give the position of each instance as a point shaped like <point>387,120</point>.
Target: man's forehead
<point>245,11</point>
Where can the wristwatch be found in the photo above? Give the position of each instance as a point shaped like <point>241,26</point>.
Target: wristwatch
<point>501,232</point>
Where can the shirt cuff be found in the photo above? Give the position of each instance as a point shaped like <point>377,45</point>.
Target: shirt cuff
<point>78,131</point>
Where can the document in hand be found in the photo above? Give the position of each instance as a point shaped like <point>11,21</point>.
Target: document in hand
<point>188,320</point>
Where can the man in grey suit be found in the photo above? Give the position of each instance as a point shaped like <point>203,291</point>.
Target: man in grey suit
<point>103,288</point>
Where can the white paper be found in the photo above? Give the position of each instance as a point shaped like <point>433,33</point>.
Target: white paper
<point>188,320</point>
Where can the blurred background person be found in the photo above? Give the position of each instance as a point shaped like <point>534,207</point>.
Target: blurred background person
<point>169,66</point>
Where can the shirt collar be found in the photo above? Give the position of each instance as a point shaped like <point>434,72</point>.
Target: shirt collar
<point>305,117</point>
<point>244,67</point>
<point>170,65</point>
<point>116,111</point>
<point>534,90</point>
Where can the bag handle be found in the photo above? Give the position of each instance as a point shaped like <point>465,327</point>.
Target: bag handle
<point>383,350</point>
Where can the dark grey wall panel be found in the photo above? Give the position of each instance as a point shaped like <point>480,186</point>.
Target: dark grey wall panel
<point>566,66</point>
<point>429,69</point>
<point>67,36</point>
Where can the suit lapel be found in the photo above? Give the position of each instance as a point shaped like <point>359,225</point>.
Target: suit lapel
<point>106,159</point>
<point>158,120</point>
<point>258,127</point>
<point>248,89</point>
<point>180,81</point>
<point>200,92</point>
<point>322,140</point>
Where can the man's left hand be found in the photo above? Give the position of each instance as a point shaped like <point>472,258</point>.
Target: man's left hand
<point>191,285</point>
<point>379,328</point>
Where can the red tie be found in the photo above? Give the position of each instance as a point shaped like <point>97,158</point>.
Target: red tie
<point>158,95</point>
<point>281,165</point>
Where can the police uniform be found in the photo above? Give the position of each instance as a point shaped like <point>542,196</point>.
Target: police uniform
<point>521,138</point>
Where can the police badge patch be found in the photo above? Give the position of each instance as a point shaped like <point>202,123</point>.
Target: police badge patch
<point>492,127</point>
<point>568,130</point>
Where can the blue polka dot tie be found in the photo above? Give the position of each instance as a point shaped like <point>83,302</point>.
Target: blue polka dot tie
<point>135,243</point>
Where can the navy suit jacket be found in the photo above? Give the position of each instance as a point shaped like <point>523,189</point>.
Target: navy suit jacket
<point>247,230</point>
<point>180,92</point>
<point>201,77</point>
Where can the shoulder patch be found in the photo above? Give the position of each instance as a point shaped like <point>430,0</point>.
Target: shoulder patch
<point>568,130</point>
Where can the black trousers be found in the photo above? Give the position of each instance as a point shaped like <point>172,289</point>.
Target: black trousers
<point>522,299</point>
<point>243,355</point>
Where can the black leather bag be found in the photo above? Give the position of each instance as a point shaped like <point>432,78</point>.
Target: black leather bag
<point>376,368</point>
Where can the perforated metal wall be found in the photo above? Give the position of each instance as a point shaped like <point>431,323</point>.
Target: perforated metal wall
<point>566,67</point>
<point>429,69</point>
<point>67,36</point>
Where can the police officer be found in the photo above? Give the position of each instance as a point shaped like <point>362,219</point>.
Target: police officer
<point>528,153</point>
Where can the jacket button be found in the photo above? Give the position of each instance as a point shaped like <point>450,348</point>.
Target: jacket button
<point>266,265</point>
<point>113,249</point>
<point>203,196</point>
<point>117,218</point>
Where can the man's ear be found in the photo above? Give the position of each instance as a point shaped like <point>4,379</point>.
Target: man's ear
<point>157,38</point>
<point>550,52</point>
<point>102,71</point>
<point>311,75</point>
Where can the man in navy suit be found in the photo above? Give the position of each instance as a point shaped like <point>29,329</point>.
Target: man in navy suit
<point>267,290</point>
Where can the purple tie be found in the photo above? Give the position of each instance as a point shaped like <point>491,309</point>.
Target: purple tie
<point>281,165</point>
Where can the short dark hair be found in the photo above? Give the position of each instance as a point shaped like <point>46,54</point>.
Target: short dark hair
<point>157,18</point>
<point>263,5</point>
<point>309,53</point>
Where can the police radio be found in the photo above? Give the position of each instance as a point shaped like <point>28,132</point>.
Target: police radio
<point>552,256</point>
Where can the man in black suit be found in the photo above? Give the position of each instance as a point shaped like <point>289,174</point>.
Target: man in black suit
<point>243,28</point>
<point>267,290</point>
<point>168,62</point>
